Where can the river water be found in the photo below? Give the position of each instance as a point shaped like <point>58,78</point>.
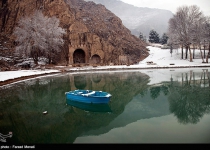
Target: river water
<point>147,106</point>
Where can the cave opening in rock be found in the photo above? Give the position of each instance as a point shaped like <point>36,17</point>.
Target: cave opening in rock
<point>95,59</point>
<point>79,56</point>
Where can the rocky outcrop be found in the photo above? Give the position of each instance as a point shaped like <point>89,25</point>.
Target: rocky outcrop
<point>94,34</point>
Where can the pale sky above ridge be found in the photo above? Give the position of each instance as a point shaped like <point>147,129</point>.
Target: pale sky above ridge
<point>171,5</point>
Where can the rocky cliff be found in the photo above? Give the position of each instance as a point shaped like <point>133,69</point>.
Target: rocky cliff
<point>94,34</point>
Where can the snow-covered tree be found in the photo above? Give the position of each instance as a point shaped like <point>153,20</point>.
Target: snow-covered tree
<point>206,35</point>
<point>38,35</point>
<point>54,37</point>
<point>174,37</point>
<point>154,37</point>
<point>197,34</point>
<point>182,26</point>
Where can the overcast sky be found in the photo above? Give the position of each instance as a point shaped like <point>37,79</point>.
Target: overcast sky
<point>171,5</point>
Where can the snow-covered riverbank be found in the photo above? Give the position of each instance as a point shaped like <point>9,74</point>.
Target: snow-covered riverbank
<point>160,58</point>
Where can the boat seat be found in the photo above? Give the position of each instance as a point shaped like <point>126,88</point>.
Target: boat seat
<point>93,92</point>
<point>108,95</point>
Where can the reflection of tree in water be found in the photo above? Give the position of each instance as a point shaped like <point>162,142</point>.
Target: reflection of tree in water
<point>189,102</point>
<point>155,92</point>
<point>164,89</point>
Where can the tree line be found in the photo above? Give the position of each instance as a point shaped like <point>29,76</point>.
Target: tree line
<point>154,37</point>
<point>188,29</point>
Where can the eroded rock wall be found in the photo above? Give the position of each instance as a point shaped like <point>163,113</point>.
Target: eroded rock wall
<point>90,27</point>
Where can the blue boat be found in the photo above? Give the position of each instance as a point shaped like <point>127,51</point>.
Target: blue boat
<point>88,96</point>
<point>89,107</point>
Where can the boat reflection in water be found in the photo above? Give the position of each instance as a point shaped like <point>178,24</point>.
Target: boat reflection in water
<point>89,106</point>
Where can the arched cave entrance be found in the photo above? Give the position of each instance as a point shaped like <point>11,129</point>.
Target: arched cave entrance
<point>95,59</point>
<point>78,56</point>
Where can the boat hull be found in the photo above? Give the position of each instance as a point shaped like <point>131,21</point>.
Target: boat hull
<point>83,96</point>
<point>89,107</point>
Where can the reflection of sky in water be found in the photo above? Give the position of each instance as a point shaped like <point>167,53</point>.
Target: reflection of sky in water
<point>155,123</point>
<point>141,112</point>
<point>164,129</point>
<point>160,75</point>
<point>142,108</point>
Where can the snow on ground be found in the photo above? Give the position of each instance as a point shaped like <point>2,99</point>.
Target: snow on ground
<point>161,58</point>
<point>6,75</point>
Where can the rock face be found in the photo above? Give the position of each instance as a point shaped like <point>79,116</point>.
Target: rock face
<point>94,34</point>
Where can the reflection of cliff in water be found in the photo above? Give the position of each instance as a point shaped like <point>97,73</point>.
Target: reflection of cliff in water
<point>80,82</point>
<point>22,110</point>
<point>22,104</point>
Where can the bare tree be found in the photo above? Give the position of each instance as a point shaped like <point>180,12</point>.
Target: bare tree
<point>182,25</point>
<point>206,35</point>
<point>38,35</point>
<point>197,33</point>
<point>175,33</point>
<point>197,30</point>
<point>174,39</point>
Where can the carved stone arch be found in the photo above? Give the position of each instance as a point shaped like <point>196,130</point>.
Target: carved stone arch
<point>79,56</point>
<point>95,59</point>
<point>100,53</point>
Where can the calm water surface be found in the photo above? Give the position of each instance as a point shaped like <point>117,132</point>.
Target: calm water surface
<point>147,106</point>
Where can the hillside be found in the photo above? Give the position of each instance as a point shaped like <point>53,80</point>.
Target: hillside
<point>94,33</point>
<point>138,19</point>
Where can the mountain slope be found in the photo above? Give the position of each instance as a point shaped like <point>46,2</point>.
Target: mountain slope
<point>94,35</point>
<point>138,19</point>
